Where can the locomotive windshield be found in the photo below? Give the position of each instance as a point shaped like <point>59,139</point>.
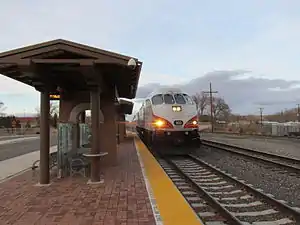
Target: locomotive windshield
<point>171,99</point>
<point>179,99</point>
<point>157,100</point>
<point>168,99</point>
<point>188,99</point>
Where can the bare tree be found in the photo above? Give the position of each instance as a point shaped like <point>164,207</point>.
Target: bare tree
<point>52,113</point>
<point>201,101</point>
<point>221,109</point>
<point>2,109</point>
<point>53,110</point>
<point>283,116</point>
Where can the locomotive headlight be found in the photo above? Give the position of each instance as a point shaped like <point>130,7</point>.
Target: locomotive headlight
<point>192,123</point>
<point>159,123</point>
<point>176,108</point>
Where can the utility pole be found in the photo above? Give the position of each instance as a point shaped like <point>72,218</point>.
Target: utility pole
<point>298,112</point>
<point>261,115</point>
<point>285,115</point>
<point>210,92</point>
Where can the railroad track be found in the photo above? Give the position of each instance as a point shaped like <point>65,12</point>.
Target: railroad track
<point>277,160</point>
<point>218,198</point>
<point>259,136</point>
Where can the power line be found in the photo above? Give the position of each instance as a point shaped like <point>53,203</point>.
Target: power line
<point>210,92</point>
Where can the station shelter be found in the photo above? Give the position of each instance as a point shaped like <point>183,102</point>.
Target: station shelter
<point>82,78</point>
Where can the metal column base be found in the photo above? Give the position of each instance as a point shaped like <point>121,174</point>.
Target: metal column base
<point>97,182</point>
<point>42,185</point>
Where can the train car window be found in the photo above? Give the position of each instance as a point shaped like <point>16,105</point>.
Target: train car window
<point>179,99</point>
<point>157,100</point>
<point>188,99</point>
<point>168,99</point>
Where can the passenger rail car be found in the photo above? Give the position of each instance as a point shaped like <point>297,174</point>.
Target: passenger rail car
<point>168,116</point>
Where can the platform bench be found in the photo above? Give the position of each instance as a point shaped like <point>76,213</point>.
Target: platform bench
<point>52,161</point>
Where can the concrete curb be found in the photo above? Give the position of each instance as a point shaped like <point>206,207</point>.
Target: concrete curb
<point>8,169</point>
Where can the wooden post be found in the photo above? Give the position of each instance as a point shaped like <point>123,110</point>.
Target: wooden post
<point>44,138</point>
<point>95,113</point>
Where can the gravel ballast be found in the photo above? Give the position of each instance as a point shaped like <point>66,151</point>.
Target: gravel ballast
<point>284,147</point>
<point>282,184</point>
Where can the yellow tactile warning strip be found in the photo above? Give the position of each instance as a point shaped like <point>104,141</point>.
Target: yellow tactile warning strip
<point>173,208</point>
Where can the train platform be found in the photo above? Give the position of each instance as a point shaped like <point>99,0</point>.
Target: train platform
<point>135,192</point>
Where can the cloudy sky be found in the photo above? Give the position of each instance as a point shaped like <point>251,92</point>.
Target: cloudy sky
<point>196,40</point>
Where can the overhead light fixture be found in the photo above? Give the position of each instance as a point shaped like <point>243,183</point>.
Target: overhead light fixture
<point>131,64</point>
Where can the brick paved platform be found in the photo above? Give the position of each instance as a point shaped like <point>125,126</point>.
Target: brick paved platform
<point>122,199</point>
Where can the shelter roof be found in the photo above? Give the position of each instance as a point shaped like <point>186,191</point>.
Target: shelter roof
<point>70,65</point>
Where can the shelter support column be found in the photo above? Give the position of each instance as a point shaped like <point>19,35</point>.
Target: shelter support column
<point>118,128</point>
<point>44,137</point>
<point>125,123</point>
<point>95,115</point>
<point>121,124</point>
<point>108,129</point>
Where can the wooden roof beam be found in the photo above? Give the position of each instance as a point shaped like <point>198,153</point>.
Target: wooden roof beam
<point>27,62</point>
<point>91,74</point>
<point>43,79</point>
<point>79,61</point>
